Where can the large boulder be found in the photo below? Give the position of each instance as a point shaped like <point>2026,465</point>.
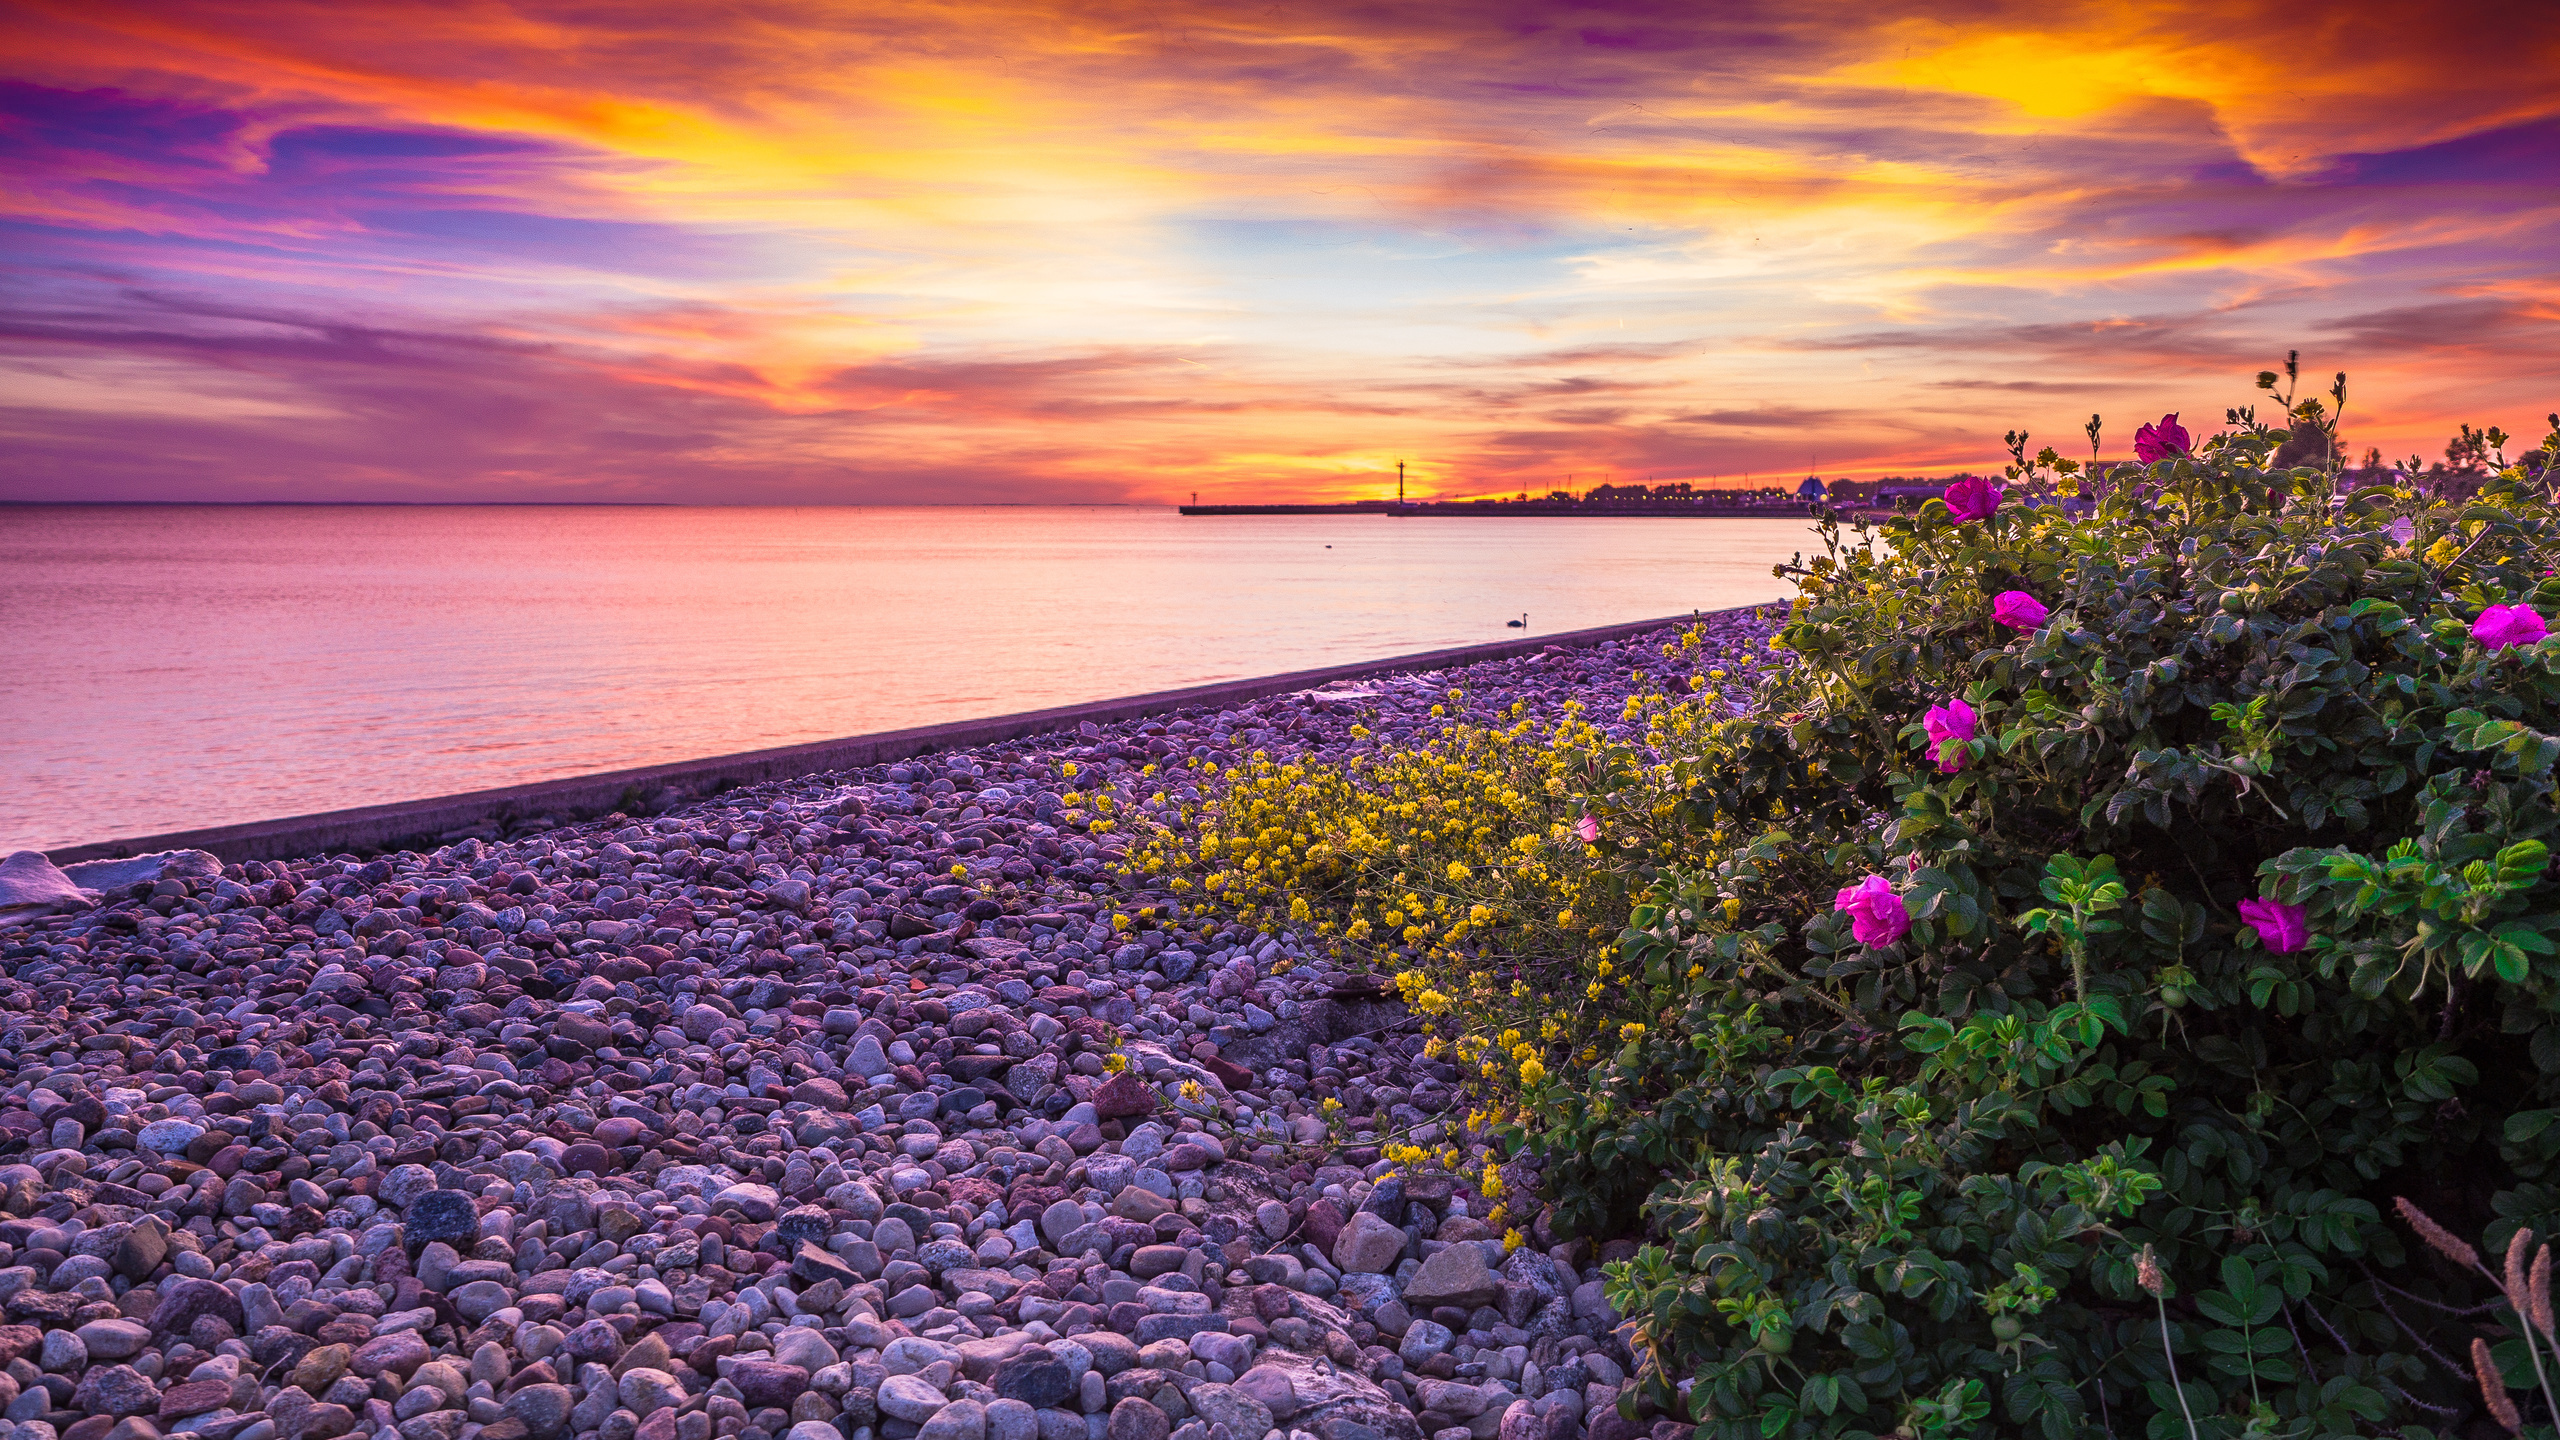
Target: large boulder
<point>153,868</point>
<point>1456,1276</point>
<point>30,887</point>
<point>1369,1245</point>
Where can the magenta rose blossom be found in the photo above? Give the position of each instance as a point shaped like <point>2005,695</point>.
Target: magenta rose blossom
<point>2018,610</point>
<point>1876,914</point>
<point>2161,441</point>
<point>2500,626</point>
<point>2282,928</point>
<point>1588,827</point>
<point>1972,498</point>
<point>1949,726</point>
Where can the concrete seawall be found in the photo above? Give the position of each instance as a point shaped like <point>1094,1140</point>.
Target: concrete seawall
<point>414,823</point>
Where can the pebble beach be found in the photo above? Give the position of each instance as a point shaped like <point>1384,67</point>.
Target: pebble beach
<point>841,1108</point>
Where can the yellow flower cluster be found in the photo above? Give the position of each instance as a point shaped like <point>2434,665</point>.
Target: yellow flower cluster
<point>1456,864</point>
<point>1456,847</point>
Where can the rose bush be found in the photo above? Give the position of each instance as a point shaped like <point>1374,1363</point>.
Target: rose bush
<point>2215,920</point>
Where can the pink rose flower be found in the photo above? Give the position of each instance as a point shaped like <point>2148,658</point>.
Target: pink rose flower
<point>1949,726</point>
<point>1588,827</point>
<point>2161,441</point>
<point>1972,498</point>
<point>2282,928</point>
<point>1877,916</point>
<point>2018,610</point>
<point>2500,626</point>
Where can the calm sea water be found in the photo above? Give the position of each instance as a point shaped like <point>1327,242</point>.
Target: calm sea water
<point>163,668</point>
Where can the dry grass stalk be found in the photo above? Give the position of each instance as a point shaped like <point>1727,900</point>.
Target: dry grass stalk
<point>2444,1242</point>
<point>2493,1388</point>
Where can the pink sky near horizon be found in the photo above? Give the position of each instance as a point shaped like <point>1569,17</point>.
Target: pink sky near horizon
<point>917,252</point>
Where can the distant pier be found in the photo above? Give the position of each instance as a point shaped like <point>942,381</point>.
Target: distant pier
<point>1700,508</point>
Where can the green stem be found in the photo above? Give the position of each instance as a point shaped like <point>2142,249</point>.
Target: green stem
<point>2248,1337</point>
<point>2170,1354</point>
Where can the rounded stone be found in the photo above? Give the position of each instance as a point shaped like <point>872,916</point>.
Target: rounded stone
<point>446,1215</point>
<point>768,1384</point>
<point>644,1391</point>
<point>118,1390</point>
<point>480,1299</point>
<point>1136,1419</point>
<point>399,1353</point>
<point>1368,1245</point>
<point>959,1420</point>
<point>910,1398</point>
<point>1012,1420</point>
<point>799,1345</point>
<point>168,1137</point>
<point>1272,1386</point>
<point>1060,1220</point>
<point>402,1184</point>
<point>114,1339</point>
<point>543,1410</point>
<point>1035,1377</point>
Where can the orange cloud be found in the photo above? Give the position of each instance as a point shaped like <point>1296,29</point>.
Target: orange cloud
<point>947,250</point>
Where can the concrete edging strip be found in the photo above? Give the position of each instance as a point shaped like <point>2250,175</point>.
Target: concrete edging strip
<point>415,823</point>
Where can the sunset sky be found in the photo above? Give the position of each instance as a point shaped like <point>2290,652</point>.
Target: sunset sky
<point>895,252</point>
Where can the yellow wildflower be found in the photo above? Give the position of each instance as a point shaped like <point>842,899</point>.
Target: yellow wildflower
<point>1531,1072</point>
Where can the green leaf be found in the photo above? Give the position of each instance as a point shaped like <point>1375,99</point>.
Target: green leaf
<point>1822,1393</point>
